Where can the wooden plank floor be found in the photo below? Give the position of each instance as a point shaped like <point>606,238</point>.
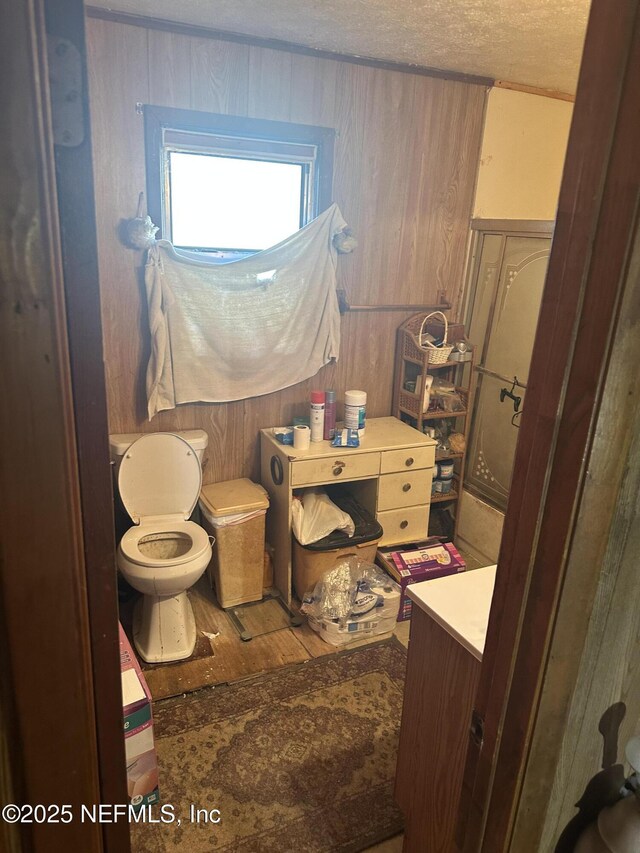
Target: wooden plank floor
<point>221,657</point>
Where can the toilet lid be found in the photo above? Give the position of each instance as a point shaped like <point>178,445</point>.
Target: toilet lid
<point>159,475</point>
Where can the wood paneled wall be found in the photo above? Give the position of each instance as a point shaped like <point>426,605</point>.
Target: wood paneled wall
<point>406,160</point>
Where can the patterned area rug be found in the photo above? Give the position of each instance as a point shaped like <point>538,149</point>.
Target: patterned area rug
<point>302,759</point>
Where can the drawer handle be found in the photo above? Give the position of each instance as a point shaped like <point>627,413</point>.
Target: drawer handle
<point>406,487</point>
<point>338,467</point>
<point>409,462</point>
<point>404,524</point>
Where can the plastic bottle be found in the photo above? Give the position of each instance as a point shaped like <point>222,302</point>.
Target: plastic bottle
<point>329,415</point>
<point>317,415</point>
<point>355,410</point>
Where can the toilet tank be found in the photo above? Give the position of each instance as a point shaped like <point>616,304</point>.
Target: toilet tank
<point>120,442</point>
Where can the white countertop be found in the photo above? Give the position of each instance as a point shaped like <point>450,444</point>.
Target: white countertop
<point>460,604</point>
<point>381,433</point>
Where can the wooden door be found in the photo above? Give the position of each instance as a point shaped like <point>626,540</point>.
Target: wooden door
<point>569,376</point>
<point>60,707</point>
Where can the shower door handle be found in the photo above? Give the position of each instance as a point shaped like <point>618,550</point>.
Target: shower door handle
<point>511,379</point>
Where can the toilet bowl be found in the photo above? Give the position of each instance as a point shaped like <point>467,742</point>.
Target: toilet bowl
<point>163,554</point>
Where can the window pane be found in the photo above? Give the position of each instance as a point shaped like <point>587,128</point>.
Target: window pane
<point>229,203</point>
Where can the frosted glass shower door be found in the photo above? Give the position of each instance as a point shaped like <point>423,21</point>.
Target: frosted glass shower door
<point>504,316</point>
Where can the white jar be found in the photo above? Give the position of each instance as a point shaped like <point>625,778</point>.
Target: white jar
<point>355,410</point>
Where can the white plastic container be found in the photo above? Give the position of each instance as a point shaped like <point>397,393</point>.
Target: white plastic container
<point>355,410</point>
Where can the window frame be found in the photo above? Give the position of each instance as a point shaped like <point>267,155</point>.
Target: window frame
<point>159,120</point>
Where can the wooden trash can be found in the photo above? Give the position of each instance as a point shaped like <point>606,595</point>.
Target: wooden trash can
<point>234,513</point>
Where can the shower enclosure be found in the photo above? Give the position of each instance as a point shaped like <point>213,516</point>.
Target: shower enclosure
<point>507,279</point>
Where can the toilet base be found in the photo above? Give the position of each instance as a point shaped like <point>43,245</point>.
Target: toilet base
<point>164,628</point>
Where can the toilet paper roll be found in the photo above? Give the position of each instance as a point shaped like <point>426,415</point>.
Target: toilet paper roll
<point>301,437</point>
<point>391,601</point>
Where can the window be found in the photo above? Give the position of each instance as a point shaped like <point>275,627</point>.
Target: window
<point>230,185</point>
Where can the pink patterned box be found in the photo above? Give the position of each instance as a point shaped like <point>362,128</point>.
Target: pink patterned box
<point>419,561</point>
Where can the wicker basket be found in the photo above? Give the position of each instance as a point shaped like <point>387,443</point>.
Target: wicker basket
<point>436,355</point>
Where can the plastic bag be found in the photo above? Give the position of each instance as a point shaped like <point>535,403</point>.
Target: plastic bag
<point>346,438</point>
<point>442,386</point>
<point>353,599</point>
<point>452,402</point>
<point>232,519</point>
<point>445,397</point>
<point>316,516</point>
<point>349,592</point>
<point>283,435</point>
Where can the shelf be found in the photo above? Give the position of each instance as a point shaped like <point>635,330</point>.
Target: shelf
<point>453,495</point>
<point>430,365</point>
<point>433,366</point>
<point>437,498</point>
<point>434,415</point>
<point>413,365</point>
<point>418,361</point>
<point>417,395</point>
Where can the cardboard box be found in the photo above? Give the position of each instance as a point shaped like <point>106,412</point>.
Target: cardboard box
<point>142,765</point>
<point>419,561</point>
<point>361,626</point>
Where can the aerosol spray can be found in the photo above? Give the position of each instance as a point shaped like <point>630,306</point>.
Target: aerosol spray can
<point>329,415</point>
<point>317,415</point>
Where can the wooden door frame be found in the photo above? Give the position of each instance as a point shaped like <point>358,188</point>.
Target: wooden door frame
<point>61,729</point>
<point>76,209</point>
<point>596,217</point>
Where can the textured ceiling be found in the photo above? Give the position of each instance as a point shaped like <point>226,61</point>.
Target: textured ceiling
<point>533,42</point>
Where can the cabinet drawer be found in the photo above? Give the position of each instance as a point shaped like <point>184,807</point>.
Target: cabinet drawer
<point>404,489</point>
<point>404,525</point>
<point>335,468</point>
<point>407,460</point>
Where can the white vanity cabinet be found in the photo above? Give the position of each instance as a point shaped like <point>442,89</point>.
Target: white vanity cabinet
<point>390,473</point>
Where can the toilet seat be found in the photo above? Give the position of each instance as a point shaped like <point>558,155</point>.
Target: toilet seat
<point>159,476</point>
<point>129,544</point>
<point>159,482</point>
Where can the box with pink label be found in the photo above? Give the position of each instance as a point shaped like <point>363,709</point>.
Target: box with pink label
<point>142,765</point>
<point>421,561</point>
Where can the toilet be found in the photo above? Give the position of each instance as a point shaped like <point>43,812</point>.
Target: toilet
<point>159,476</point>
